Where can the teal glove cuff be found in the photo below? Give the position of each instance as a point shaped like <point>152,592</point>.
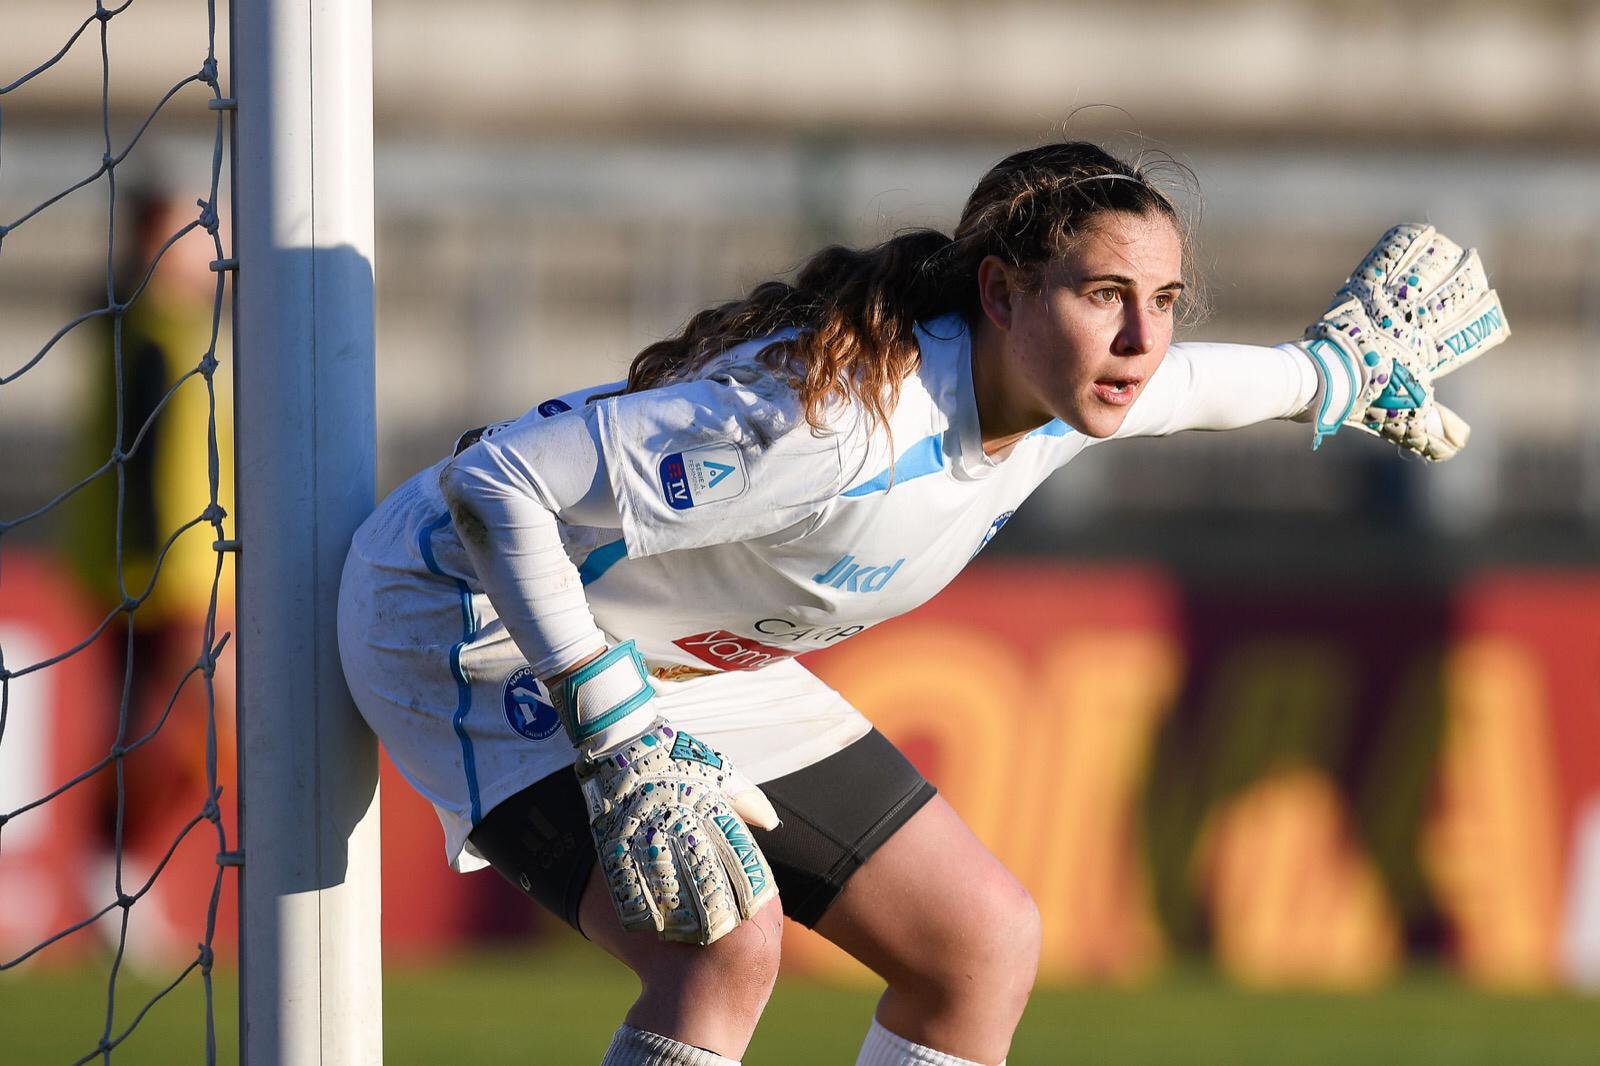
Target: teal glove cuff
<point>1341,384</point>
<point>602,693</point>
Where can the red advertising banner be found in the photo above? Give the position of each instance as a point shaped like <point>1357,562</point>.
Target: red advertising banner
<point>1031,696</point>
<point>59,722</point>
<point>1514,843</point>
<point>58,861</point>
<point>1300,787</point>
<point>1303,787</point>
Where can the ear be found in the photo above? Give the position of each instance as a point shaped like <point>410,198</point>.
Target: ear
<point>996,289</point>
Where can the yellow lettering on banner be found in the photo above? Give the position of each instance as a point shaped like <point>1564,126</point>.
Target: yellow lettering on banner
<point>1492,849</point>
<point>1104,694</point>
<point>1292,897</point>
<point>1273,697</point>
<point>950,697</point>
<point>1291,894</point>
<point>1043,762</point>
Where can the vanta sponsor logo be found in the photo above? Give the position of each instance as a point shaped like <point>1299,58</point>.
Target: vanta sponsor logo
<point>702,475</point>
<point>744,849</point>
<point>853,576</point>
<point>730,651</point>
<point>1470,336</point>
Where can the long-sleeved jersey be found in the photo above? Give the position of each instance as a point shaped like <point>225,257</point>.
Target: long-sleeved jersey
<point>731,536</point>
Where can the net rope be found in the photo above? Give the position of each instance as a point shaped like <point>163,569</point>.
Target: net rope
<point>123,895</point>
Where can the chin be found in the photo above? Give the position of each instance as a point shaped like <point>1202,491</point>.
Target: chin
<point>1099,424</point>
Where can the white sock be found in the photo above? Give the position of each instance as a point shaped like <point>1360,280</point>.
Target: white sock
<point>635,1047</point>
<point>883,1048</point>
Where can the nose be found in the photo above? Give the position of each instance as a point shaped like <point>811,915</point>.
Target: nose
<point>1138,334</point>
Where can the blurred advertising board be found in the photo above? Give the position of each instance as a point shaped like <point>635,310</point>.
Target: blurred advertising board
<point>1303,784</point>
<point>1308,784</point>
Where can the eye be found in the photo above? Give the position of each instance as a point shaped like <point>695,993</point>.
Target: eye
<point>1166,300</point>
<point>1105,296</point>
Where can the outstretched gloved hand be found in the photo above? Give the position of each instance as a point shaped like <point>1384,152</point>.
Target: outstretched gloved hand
<point>1418,307</point>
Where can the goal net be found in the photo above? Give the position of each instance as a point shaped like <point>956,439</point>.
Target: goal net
<point>127,843</point>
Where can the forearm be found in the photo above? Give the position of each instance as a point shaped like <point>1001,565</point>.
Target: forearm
<point>505,496</point>
<point>521,566</point>
<point>1223,386</point>
<point>504,504</point>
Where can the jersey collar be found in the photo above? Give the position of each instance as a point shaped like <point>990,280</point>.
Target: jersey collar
<point>964,437</point>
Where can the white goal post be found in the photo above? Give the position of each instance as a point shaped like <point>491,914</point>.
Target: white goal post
<point>310,989</point>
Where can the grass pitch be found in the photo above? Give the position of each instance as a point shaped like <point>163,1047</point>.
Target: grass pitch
<point>560,1007</point>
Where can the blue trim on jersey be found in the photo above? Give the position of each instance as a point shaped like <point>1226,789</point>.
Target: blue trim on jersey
<point>425,542</point>
<point>1053,428</point>
<point>469,630</point>
<point>600,560</point>
<point>922,458</point>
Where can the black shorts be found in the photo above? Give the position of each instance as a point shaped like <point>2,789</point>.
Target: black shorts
<point>836,812</point>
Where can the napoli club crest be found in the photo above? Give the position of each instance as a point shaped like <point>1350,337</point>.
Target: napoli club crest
<point>528,707</point>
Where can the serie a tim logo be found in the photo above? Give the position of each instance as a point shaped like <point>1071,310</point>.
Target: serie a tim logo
<point>701,475</point>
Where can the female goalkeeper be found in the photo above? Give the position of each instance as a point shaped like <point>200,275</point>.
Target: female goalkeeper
<point>618,582</point>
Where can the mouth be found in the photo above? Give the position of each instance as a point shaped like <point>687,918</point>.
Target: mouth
<point>1117,391</point>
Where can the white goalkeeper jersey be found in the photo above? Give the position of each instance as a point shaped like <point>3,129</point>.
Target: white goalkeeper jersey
<point>742,539</point>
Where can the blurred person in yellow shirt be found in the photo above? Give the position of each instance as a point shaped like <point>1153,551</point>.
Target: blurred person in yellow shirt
<point>161,339</point>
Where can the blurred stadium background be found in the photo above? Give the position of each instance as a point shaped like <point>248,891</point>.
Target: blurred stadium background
<point>1325,728</point>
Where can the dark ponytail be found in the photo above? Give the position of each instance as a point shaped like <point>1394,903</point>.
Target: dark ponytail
<point>856,309</point>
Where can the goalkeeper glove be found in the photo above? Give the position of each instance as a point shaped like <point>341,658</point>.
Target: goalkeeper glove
<point>1416,309</point>
<point>669,814</point>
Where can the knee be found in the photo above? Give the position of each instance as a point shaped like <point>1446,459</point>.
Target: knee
<point>1023,937</point>
<point>990,948</point>
<point>747,959</point>
<point>738,970</point>
<point>1006,924</point>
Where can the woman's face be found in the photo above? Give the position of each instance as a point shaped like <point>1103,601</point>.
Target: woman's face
<point>1082,344</point>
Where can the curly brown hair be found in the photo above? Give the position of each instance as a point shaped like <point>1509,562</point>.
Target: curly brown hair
<point>856,309</point>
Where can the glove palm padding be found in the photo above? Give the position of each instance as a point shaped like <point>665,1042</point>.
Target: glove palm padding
<point>669,820</point>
